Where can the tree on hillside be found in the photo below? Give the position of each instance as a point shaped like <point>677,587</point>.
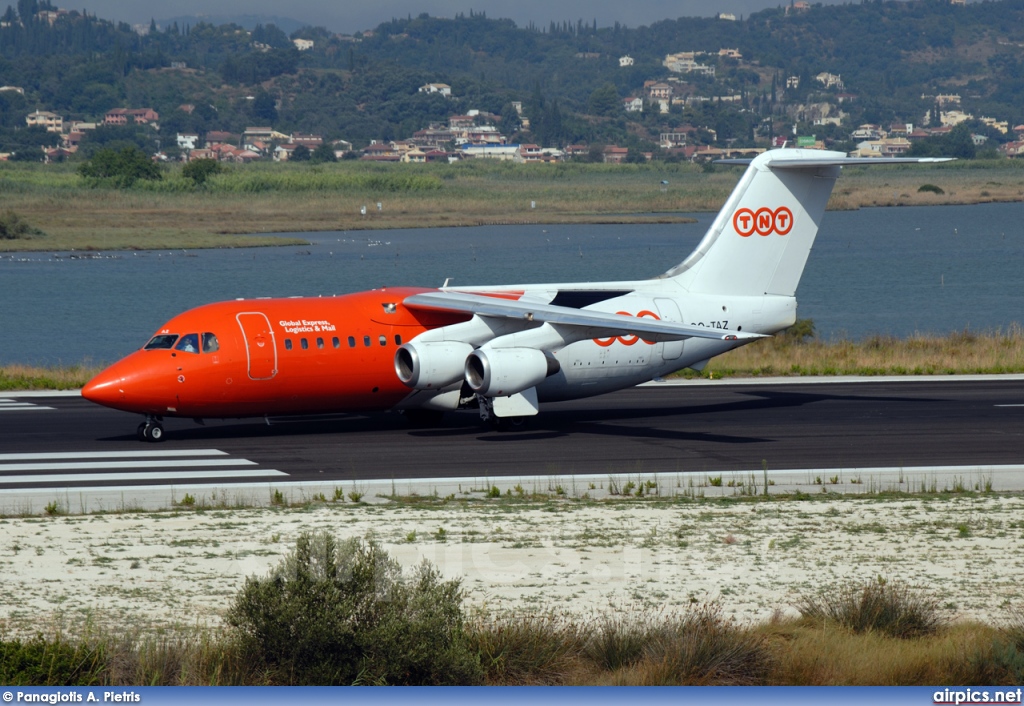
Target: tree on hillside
<point>604,101</point>
<point>264,108</point>
<point>120,168</point>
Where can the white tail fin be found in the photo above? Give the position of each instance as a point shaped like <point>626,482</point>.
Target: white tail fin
<point>760,240</point>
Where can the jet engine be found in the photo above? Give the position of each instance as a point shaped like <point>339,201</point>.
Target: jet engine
<point>431,366</point>
<point>497,372</point>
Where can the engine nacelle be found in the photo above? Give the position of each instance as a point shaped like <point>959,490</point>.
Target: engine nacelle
<point>505,371</point>
<point>431,366</point>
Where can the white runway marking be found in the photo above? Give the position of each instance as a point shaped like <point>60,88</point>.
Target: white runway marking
<point>103,465</point>
<point>179,476</point>
<point>173,466</point>
<point>8,404</point>
<point>67,455</point>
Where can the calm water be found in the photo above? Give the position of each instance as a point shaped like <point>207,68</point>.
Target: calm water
<point>893,270</point>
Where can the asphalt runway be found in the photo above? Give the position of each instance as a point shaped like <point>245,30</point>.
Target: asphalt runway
<point>66,442</point>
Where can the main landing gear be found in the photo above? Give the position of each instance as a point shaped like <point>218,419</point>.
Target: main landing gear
<point>151,430</point>
<point>497,423</point>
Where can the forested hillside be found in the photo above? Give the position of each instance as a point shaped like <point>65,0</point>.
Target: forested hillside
<point>893,59</point>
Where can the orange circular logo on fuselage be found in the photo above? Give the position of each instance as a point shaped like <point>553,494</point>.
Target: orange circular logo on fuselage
<point>628,340</point>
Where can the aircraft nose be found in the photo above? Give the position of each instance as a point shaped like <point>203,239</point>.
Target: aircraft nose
<point>106,389</point>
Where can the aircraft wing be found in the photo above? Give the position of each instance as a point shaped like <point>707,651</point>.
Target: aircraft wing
<point>600,323</point>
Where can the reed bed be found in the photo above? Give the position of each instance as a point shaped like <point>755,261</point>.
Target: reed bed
<point>281,198</point>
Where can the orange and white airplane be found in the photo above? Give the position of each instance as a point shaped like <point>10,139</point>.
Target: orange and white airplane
<point>500,349</point>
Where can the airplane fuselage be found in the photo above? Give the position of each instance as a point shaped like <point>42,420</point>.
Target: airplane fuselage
<point>505,348</point>
<point>314,355</point>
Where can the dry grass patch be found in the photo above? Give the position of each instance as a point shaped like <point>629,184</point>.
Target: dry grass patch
<point>964,352</point>
<point>828,656</point>
<point>26,377</point>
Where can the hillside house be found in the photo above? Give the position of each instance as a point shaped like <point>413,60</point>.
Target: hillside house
<point>686,63</point>
<point>1013,149</point>
<point>45,119</point>
<point>657,91</point>
<point>414,156</point>
<point>829,80</point>
<point>310,141</point>
<point>442,88</point>
<point>215,136</point>
<point>633,104</point>
<point>501,152</point>
<point>613,154</point>
<point>625,61</point>
<point>123,116</point>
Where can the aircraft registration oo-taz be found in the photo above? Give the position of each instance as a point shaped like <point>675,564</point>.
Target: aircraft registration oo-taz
<point>500,349</point>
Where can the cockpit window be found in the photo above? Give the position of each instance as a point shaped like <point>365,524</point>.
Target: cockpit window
<point>161,342</point>
<point>189,343</point>
<point>210,344</point>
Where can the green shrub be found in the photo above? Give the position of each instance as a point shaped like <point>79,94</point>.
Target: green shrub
<point>199,170</point>
<point>13,227</point>
<point>931,188</point>
<point>56,662</point>
<point>342,613</point>
<point>119,168</point>
<point>891,608</point>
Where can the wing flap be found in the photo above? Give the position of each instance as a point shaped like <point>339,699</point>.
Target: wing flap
<point>598,323</point>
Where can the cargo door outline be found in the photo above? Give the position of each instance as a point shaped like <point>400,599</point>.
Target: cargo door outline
<point>669,310</point>
<point>260,346</point>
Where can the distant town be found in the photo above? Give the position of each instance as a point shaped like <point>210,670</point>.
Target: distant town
<point>322,97</point>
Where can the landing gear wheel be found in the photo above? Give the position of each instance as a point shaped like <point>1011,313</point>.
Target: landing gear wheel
<point>151,431</point>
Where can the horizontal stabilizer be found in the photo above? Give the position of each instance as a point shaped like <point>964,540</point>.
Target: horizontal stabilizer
<point>786,163</point>
<point>602,323</point>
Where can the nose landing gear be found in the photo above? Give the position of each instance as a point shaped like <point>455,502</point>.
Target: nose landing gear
<point>151,430</point>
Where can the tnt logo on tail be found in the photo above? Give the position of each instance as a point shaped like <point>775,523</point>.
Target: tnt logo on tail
<point>764,221</point>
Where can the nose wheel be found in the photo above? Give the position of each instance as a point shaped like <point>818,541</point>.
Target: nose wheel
<point>150,430</point>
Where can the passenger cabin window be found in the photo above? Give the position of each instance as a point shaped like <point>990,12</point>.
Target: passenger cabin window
<point>319,343</point>
<point>383,340</point>
<point>210,343</point>
<point>366,341</point>
<point>189,343</point>
<point>398,340</point>
<point>304,343</point>
<point>336,341</point>
<point>351,341</point>
<point>164,341</point>
<point>287,344</point>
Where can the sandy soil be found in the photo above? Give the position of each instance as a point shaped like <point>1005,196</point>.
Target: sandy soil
<point>182,569</point>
